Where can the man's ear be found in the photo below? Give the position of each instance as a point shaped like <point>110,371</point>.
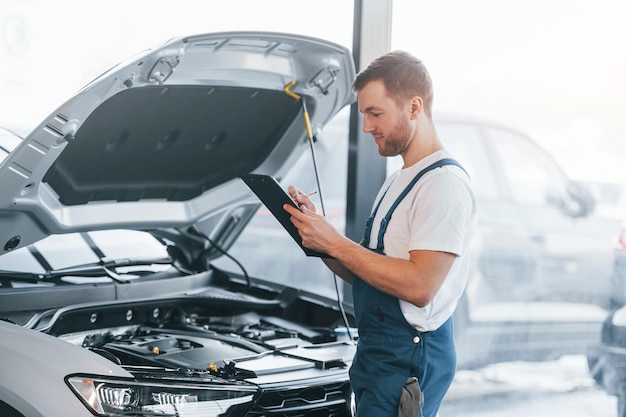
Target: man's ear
<point>416,106</point>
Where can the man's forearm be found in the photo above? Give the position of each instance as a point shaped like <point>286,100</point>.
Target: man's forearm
<point>339,270</point>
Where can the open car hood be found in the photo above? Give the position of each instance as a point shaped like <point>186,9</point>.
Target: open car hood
<point>161,140</point>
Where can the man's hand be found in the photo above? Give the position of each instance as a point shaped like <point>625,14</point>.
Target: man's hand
<point>308,222</point>
<point>316,232</point>
<point>301,198</point>
<point>415,280</point>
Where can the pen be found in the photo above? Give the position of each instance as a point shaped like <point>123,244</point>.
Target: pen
<point>307,194</point>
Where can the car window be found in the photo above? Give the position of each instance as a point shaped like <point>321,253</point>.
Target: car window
<point>532,176</point>
<point>20,260</point>
<point>118,244</point>
<point>279,259</point>
<point>67,250</point>
<point>466,144</point>
<point>62,251</point>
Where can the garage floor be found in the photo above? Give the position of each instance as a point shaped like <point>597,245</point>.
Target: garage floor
<point>560,388</point>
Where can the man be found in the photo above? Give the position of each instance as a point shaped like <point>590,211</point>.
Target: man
<point>411,267</point>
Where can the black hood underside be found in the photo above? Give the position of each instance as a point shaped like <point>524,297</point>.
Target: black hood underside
<point>170,143</point>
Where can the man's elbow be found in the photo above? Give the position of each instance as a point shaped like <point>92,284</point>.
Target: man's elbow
<point>421,298</point>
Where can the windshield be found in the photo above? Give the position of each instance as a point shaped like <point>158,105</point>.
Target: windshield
<point>80,257</point>
<point>279,259</point>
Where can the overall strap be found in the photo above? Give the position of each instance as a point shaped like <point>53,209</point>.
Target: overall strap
<point>370,220</point>
<point>385,221</point>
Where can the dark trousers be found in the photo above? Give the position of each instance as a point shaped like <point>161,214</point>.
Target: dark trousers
<point>390,350</point>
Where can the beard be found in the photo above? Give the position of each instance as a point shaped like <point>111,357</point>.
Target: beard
<point>397,141</point>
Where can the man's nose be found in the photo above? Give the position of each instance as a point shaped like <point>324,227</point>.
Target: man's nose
<point>367,126</point>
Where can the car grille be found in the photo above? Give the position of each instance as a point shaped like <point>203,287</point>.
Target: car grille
<point>329,400</point>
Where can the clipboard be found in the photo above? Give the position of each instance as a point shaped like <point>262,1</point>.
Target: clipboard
<point>272,195</point>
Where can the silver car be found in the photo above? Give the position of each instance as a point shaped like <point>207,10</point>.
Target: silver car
<point>113,212</point>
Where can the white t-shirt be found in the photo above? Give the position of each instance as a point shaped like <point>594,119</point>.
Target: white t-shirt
<point>439,213</point>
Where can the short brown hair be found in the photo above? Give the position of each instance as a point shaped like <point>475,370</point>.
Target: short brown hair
<point>403,74</point>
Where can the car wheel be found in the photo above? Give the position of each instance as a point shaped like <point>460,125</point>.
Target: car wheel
<point>8,411</point>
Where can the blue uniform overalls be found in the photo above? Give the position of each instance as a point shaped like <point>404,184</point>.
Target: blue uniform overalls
<point>390,349</point>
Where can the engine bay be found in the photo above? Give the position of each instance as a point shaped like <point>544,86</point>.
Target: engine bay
<point>224,333</point>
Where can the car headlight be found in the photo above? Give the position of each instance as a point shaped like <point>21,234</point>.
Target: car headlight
<point>115,397</point>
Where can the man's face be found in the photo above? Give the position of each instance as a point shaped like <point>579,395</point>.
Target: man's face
<point>385,119</point>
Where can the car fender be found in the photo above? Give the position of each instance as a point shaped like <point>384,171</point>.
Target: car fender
<point>34,366</point>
